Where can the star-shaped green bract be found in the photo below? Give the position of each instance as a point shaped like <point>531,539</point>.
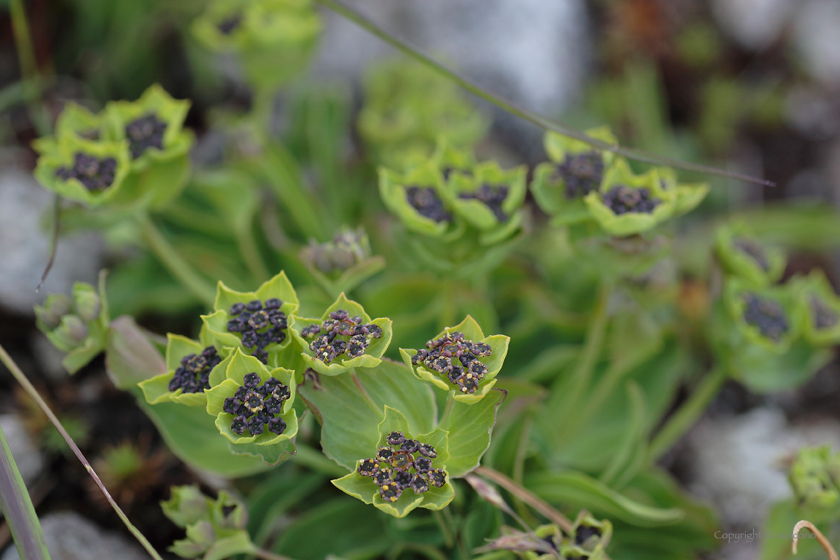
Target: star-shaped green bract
<point>821,309</point>
<point>366,490</point>
<point>77,121</point>
<point>472,331</point>
<point>736,298</point>
<point>549,187</point>
<point>216,323</point>
<point>743,256</point>
<point>343,363</point>
<point>62,155</point>
<point>156,390</point>
<point>226,381</point>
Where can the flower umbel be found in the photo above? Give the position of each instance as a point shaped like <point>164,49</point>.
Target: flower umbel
<point>341,334</point>
<point>260,323</point>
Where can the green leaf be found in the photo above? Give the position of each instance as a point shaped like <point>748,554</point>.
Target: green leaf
<point>469,428</point>
<point>349,426</point>
<point>130,357</point>
<point>630,457</point>
<point>577,490</point>
<point>238,543</point>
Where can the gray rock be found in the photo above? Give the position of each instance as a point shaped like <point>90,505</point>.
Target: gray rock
<point>28,458</point>
<point>24,246</point>
<point>816,39</point>
<point>753,23</point>
<point>70,536</point>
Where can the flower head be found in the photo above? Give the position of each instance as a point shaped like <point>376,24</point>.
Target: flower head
<point>418,197</point>
<point>255,322</point>
<point>814,479</point>
<point>404,472</point>
<point>743,256</point>
<point>460,359</point>
<point>75,121</point>
<point>768,317</point>
<point>343,338</point>
<point>821,309</point>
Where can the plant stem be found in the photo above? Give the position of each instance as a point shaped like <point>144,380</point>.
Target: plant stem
<point>56,227</point>
<point>268,555</point>
<point>530,116</point>
<point>602,392</point>
<point>365,395</point>
<point>519,468</point>
<point>309,457</point>
<point>30,390</point>
<point>251,255</point>
<point>18,509</point>
<point>177,266</point>
<point>28,67</point>
<point>448,534</point>
<point>683,419</point>
<point>824,543</point>
<point>526,496</point>
<point>447,412</point>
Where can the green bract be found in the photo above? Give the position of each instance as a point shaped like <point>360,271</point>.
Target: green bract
<point>78,326</point>
<point>274,38</point>
<point>408,108</point>
<point>365,489</point>
<point>215,528</point>
<point>157,389</point>
<point>743,256</point>
<point>811,480</point>
<point>471,331</point>
<point>822,316</point>
<point>343,361</point>
<point>160,158</point>
<point>560,185</point>
<point>394,188</point>
<point>767,317</point>
<point>76,121</point>
<point>629,223</point>
<point>226,381</point>
<point>217,322</point>
<point>61,158</point>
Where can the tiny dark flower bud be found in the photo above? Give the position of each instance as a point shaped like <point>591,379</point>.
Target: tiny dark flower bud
<point>240,393</point>
<point>384,454</point>
<point>357,346</point>
<point>440,364</point>
<point>237,308</point>
<point>250,339</point>
<point>401,460</point>
<point>477,369</point>
<point>239,425</point>
<point>419,484</point>
<point>234,326</point>
<point>410,445</point>
<point>230,24</point>
<point>277,425</point>
<point>622,199</point>
<point>175,383</point>
<point>390,492</point>
<point>455,374</point>
<point>584,532</point>
<point>256,425</point>
<point>254,305</point>
<point>492,197</point>
<point>480,349</point>
<point>437,477</point>
<point>144,133</point>
<point>427,450</point>
<point>427,203</point>
<point>823,316</point>
<point>384,475</point>
<point>373,331</point>
<point>273,303</point>
<point>259,320</point>
<point>767,316</point>
<point>422,464</point>
<point>368,467</point>
<point>253,402</point>
<point>357,319</point>
<point>261,355</point>
<point>418,358</point>
<point>581,173</point>
<point>281,393</point>
<point>468,383</point>
<point>232,406</point>
<point>251,380</point>
<point>403,478</point>
<point>272,405</point>
<point>395,438</point>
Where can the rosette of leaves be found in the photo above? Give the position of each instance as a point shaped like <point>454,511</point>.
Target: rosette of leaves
<point>460,360</point>
<point>253,406</point>
<point>216,529</point>
<point>77,121</point>
<point>87,171</point>
<point>343,263</point>
<point>822,309</point>
<point>404,472</point>
<point>342,339</point>
<point>274,39</point>
<point>255,322</point>
<point>189,364</point>
<point>575,170</point>
<point>813,486</point>
<point>629,204</point>
<point>158,144</point>
<point>408,108</point>
<point>743,256</point>
<point>77,325</point>
<point>486,196</point>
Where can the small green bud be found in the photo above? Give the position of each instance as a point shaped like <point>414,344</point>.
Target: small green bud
<point>72,331</point>
<point>186,506</point>
<point>86,301</point>
<point>202,533</point>
<point>54,308</point>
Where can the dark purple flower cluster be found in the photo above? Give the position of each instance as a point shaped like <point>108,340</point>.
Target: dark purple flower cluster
<point>194,374</point>
<point>427,203</point>
<point>753,250</point>
<point>402,464</point>
<point>259,324</point>
<point>440,355</point>
<point>256,406</point>
<point>94,173</point>
<point>144,133</point>
<point>342,334</point>
<point>584,533</point>
<point>822,315</point>
<point>581,173</point>
<point>767,316</point>
<point>230,24</point>
<point>492,197</point>
<point>622,199</point>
